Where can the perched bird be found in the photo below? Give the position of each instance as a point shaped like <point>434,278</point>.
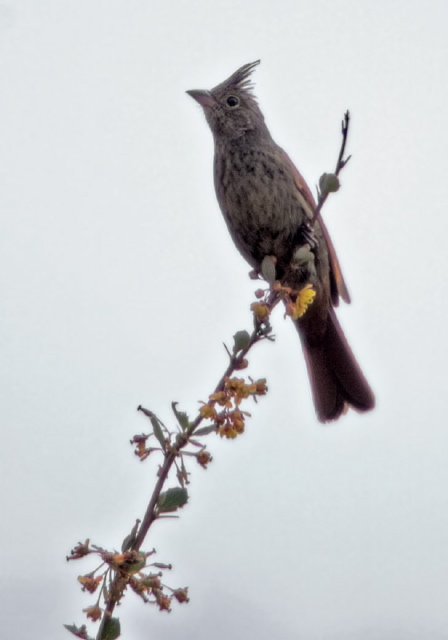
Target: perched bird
<point>269,209</point>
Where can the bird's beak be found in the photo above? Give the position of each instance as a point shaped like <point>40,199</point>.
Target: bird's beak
<point>205,98</point>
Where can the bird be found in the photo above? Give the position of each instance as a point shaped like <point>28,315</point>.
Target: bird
<point>270,214</point>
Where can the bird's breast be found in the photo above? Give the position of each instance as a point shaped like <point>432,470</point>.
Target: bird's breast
<point>259,201</point>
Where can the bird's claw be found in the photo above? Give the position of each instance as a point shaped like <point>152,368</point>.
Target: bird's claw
<point>308,236</point>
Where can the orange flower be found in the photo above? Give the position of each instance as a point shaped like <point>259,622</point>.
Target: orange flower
<point>207,411</point>
<point>137,585</point>
<point>118,558</point>
<point>181,595</point>
<point>203,457</point>
<point>238,389</point>
<point>237,419</point>
<point>261,387</point>
<point>94,613</point>
<point>228,431</point>
<point>221,398</point>
<point>89,583</point>
<point>261,311</point>
<point>81,550</point>
<point>151,582</point>
<point>162,600</point>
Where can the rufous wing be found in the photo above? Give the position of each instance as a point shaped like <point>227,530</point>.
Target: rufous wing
<point>338,286</point>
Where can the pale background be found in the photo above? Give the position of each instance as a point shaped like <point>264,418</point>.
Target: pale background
<point>119,284</point>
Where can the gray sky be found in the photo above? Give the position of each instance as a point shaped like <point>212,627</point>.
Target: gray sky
<point>119,284</point>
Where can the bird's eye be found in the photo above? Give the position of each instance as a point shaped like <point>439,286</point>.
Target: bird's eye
<point>232,101</point>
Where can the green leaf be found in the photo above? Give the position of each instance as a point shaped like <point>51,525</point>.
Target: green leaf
<point>111,629</point>
<point>241,340</point>
<point>172,499</point>
<point>157,429</point>
<point>204,431</point>
<point>79,632</point>
<point>181,416</point>
<point>130,538</point>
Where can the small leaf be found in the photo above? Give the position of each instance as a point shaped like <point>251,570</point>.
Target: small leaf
<point>172,499</point>
<point>241,340</point>
<point>196,443</point>
<point>111,629</point>
<point>130,538</point>
<point>157,429</point>
<point>181,416</point>
<point>79,632</point>
<point>204,431</point>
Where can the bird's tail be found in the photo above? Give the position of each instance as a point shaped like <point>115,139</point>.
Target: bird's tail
<point>337,381</point>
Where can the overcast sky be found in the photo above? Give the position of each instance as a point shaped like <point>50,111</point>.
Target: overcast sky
<point>119,284</point>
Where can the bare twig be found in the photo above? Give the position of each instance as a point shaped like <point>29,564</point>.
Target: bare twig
<point>339,165</point>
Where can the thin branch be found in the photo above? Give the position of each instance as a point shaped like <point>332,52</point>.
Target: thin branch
<point>118,586</point>
<point>119,582</point>
<point>339,165</point>
<point>344,129</point>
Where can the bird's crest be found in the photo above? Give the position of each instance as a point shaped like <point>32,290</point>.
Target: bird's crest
<point>239,80</point>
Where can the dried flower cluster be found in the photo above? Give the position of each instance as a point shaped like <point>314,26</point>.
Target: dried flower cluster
<point>120,571</point>
<point>230,420</point>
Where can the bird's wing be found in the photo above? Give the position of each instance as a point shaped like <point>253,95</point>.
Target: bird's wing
<point>338,286</point>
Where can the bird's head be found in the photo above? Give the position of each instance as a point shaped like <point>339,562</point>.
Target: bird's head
<point>230,108</point>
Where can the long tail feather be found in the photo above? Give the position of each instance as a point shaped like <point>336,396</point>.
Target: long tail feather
<point>337,381</point>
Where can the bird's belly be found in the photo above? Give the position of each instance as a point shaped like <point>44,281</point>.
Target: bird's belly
<point>260,207</point>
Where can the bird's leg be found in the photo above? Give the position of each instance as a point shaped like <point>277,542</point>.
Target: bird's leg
<point>308,235</point>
